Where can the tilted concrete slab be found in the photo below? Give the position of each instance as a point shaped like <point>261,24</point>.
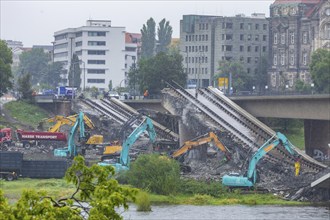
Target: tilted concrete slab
<point>323,182</point>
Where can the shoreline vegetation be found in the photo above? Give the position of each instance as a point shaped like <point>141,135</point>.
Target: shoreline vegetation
<point>59,188</point>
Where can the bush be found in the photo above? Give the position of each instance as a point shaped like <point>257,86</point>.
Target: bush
<point>143,202</point>
<point>200,199</point>
<point>155,173</point>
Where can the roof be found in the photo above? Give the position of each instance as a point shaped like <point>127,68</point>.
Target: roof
<point>296,1</point>
<point>132,37</point>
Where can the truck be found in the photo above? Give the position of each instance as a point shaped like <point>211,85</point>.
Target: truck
<point>27,139</point>
<point>65,92</point>
<point>124,160</point>
<point>10,165</point>
<point>235,180</point>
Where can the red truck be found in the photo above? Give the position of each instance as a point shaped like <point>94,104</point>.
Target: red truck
<point>40,139</point>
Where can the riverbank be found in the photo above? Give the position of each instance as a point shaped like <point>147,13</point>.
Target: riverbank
<point>59,188</point>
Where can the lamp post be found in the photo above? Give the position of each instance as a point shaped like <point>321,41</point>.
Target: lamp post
<point>266,89</point>
<point>312,87</point>
<point>84,87</point>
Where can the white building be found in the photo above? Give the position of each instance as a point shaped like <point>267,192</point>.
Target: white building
<point>16,49</point>
<point>101,51</point>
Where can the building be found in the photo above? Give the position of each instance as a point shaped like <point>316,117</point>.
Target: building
<point>297,29</point>
<point>206,40</point>
<point>16,49</point>
<point>101,51</point>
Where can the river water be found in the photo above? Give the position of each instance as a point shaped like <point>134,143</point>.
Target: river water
<point>190,212</point>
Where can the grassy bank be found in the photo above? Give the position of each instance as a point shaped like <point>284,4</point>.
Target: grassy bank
<point>26,113</point>
<point>59,188</point>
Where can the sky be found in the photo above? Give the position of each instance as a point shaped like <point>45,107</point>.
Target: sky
<point>34,22</point>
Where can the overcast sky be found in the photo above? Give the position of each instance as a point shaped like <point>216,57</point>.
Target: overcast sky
<point>34,22</point>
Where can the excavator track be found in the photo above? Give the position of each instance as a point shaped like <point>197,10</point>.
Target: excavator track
<point>243,127</point>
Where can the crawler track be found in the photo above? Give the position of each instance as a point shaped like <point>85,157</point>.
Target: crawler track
<point>242,126</point>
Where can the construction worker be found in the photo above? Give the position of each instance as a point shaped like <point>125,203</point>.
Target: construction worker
<point>297,165</point>
<point>145,94</point>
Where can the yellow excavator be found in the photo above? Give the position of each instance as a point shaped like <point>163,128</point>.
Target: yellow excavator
<point>208,138</point>
<point>70,120</point>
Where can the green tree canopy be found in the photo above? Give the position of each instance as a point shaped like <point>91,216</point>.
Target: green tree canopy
<point>25,87</point>
<point>260,77</point>
<point>320,70</point>
<point>97,195</point>
<point>164,33</point>
<point>5,70</point>
<point>148,39</point>
<point>152,73</point>
<point>54,71</point>
<point>240,79</point>
<point>35,63</point>
<point>75,72</point>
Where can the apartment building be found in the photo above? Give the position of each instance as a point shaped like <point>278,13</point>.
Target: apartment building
<point>297,29</point>
<point>206,40</point>
<point>101,51</point>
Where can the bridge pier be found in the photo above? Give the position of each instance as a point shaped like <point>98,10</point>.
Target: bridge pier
<point>317,139</point>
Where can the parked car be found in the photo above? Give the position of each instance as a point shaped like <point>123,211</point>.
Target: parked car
<point>113,94</point>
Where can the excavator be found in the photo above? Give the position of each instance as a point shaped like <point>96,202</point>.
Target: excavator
<point>235,180</point>
<point>210,137</point>
<point>72,150</point>
<point>70,120</point>
<point>124,160</point>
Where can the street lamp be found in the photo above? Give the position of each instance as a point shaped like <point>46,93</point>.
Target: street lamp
<point>312,86</point>
<point>266,89</point>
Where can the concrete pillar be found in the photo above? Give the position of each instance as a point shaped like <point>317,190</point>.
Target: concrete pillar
<point>317,139</point>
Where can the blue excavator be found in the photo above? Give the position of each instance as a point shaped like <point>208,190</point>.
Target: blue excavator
<point>72,150</point>
<point>124,160</point>
<point>239,181</point>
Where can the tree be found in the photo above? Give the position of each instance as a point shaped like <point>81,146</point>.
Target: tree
<point>152,73</point>
<point>156,173</point>
<point>240,79</point>
<point>164,32</point>
<point>148,39</point>
<point>96,195</point>
<point>5,70</point>
<point>54,71</point>
<point>75,72</point>
<point>35,63</point>
<point>25,87</point>
<point>320,70</point>
<point>260,77</point>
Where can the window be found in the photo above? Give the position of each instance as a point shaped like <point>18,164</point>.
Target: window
<point>249,37</point>
<point>205,59</point>
<point>248,60</point>
<point>96,43</point>
<point>228,36</point>
<point>241,26</point>
<point>275,38</point>
<point>96,52</point>
<point>79,44</point>
<point>206,48</point>
<point>256,49</point>
<point>96,81</point>
<point>96,33</point>
<point>63,54</point>
<point>292,59</point>
<point>249,26</point>
<point>96,71</point>
<point>62,36</point>
<point>326,33</point>
<point>241,59</point>
<point>292,38</point>
<point>264,48</point>
<point>241,36</point>
<point>79,34</point>
<point>60,46</point>
<point>257,37</point>
<point>264,37</point>
<point>206,37</point>
<point>283,38</point>
<point>264,26</point>
<point>305,58</point>
<point>256,59</point>
<point>228,47</point>
<point>186,37</point>
<point>257,26</point>
<point>96,61</point>
<point>305,37</point>
<point>227,25</point>
<point>207,26</point>
<point>275,59</point>
<point>282,59</point>
<point>241,48</point>
<point>249,49</point>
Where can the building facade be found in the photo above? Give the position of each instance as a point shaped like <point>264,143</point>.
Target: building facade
<point>207,40</point>
<point>297,29</point>
<point>101,52</point>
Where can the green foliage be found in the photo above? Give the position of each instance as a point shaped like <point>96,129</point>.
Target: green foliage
<point>164,32</point>
<point>25,87</point>
<point>212,188</point>
<point>143,202</point>
<point>320,70</point>
<point>155,173</point>
<point>300,86</point>
<point>5,70</point>
<point>34,62</point>
<point>200,199</point>
<point>75,72</point>
<point>260,77</point>
<point>240,79</point>
<point>148,39</point>
<point>153,72</point>
<point>96,194</point>
<point>25,112</point>
<point>54,71</point>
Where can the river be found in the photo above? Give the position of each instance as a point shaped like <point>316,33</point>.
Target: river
<point>185,212</point>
